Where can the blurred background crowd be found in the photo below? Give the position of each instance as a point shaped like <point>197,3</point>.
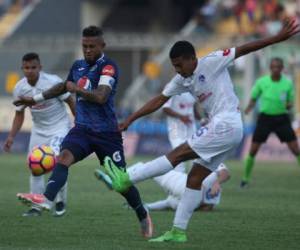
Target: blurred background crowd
<point>138,36</point>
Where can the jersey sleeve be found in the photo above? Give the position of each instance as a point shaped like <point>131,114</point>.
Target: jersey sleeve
<point>16,93</point>
<point>108,75</point>
<point>174,87</point>
<point>70,75</point>
<point>168,104</point>
<point>256,90</point>
<point>221,59</point>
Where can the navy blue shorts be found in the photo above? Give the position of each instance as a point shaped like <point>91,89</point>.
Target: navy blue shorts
<point>82,141</point>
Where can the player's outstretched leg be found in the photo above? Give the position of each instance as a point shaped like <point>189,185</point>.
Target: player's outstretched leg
<point>103,177</point>
<point>174,235</point>
<point>120,179</point>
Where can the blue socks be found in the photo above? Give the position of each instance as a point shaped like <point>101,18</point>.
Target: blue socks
<point>134,200</point>
<point>56,181</point>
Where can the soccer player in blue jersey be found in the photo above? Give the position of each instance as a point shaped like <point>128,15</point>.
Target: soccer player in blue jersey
<point>94,81</point>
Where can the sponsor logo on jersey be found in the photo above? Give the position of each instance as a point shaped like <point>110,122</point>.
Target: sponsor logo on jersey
<point>84,83</point>
<point>108,70</point>
<point>39,106</point>
<point>226,52</point>
<point>117,156</point>
<point>80,69</point>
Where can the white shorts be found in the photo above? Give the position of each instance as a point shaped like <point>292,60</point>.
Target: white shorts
<point>214,142</point>
<point>54,141</point>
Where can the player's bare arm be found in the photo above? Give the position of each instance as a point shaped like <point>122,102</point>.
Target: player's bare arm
<point>250,106</point>
<point>16,126</point>
<point>289,29</point>
<point>170,112</point>
<point>151,106</point>
<point>55,91</point>
<point>71,103</point>
<point>99,95</point>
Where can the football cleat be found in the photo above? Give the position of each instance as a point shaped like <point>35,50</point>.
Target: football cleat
<point>244,184</point>
<point>60,209</point>
<point>147,227</point>
<point>37,200</point>
<point>175,235</point>
<point>33,212</point>
<point>103,177</point>
<point>120,179</point>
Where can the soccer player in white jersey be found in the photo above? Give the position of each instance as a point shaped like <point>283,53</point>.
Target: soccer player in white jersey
<point>208,80</point>
<point>174,182</point>
<point>50,121</point>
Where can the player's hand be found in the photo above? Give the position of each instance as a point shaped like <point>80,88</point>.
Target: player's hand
<point>289,29</point>
<point>24,100</point>
<point>8,143</point>
<point>215,189</point>
<point>124,126</point>
<point>71,87</point>
<point>185,119</point>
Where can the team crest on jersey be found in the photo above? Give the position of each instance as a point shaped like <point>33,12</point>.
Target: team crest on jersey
<point>84,83</point>
<point>108,70</point>
<point>201,78</point>
<point>226,52</point>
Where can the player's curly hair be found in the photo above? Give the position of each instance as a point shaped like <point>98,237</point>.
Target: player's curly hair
<point>182,48</point>
<point>92,31</point>
<point>30,56</point>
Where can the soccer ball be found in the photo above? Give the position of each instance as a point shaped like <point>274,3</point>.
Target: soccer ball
<point>41,160</point>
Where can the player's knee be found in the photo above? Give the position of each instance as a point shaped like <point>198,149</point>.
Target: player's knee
<point>65,157</point>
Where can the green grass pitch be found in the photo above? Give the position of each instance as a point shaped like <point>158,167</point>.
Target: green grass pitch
<point>264,216</point>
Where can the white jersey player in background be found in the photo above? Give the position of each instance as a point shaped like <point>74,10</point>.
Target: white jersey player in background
<point>208,80</point>
<point>51,121</point>
<point>174,182</point>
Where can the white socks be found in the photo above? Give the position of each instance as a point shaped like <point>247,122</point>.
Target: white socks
<point>189,202</point>
<point>158,205</point>
<point>37,184</point>
<point>62,194</point>
<point>149,169</point>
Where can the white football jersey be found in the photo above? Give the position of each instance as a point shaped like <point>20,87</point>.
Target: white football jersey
<point>50,115</point>
<point>210,84</point>
<point>184,105</point>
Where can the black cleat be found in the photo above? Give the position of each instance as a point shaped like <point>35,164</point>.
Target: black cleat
<point>60,209</point>
<point>32,212</point>
<point>244,184</point>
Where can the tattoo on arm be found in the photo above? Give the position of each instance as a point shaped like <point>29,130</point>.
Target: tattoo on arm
<point>100,95</point>
<point>55,91</point>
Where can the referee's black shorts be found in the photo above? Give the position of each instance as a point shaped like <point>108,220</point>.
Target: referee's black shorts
<point>279,124</point>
